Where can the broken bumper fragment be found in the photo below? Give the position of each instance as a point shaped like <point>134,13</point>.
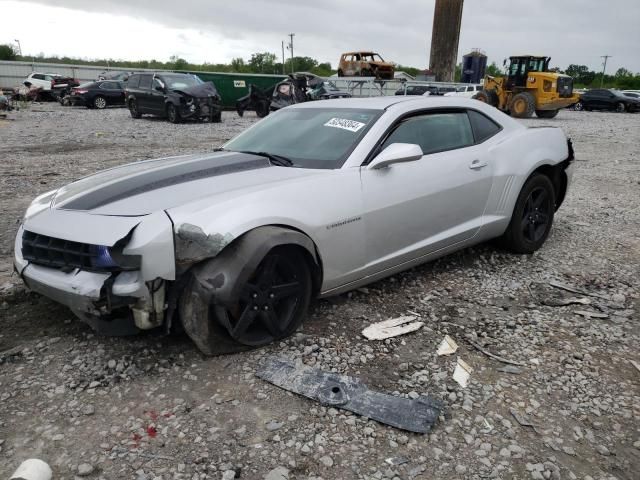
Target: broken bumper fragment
<point>350,394</point>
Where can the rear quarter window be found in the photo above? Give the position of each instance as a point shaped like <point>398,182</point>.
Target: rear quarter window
<point>483,127</point>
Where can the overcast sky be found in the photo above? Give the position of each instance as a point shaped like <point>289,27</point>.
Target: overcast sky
<point>215,31</point>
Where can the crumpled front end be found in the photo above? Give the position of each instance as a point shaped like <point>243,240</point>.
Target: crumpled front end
<point>201,101</point>
<point>113,277</point>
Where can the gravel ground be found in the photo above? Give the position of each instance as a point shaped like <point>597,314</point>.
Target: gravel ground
<point>151,407</point>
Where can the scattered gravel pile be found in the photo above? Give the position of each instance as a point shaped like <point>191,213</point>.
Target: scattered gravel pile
<point>151,407</point>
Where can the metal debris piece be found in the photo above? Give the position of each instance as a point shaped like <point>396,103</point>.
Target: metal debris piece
<point>462,373</point>
<point>394,461</point>
<point>510,369</point>
<point>348,393</point>
<point>448,346</point>
<point>487,427</point>
<point>493,355</point>
<point>569,288</point>
<point>563,302</point>
<point>392,328</point>
<point>588,314</point>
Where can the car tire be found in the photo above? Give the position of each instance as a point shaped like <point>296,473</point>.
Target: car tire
<point>172,113</point>
<point>272,303</point>
<point>216,117</point>
<point>133,109</point>
<point>340,73</point>
<point>547,113</point>
<point>522,105</point>
<point>280,311</point>
<point>262,109</point>
<point>489,97</point>
<point>578,106</point>
<point>532,216</point>
<point>620,107</point>
<point>100,102</point>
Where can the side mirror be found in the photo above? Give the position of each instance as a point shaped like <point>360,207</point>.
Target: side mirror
<point>396,153</point>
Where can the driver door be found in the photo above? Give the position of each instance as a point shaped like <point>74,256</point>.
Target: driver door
<point>157,95</point>
<point>419,207</point>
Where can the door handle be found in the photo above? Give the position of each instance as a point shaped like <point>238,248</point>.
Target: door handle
<point>477,164</point>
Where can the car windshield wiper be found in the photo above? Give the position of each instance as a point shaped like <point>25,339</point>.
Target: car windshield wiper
<point>273,158</point>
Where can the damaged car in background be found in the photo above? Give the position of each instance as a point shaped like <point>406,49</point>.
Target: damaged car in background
<point>174,96</point>
<point>297,88</point>
<point>315,200</point>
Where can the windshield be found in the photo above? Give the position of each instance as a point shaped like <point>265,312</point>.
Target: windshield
<point>177,82</point>
<point>309,137</point>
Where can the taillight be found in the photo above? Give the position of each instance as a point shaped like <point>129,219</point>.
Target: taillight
<point>79,91</point>
<point>52,83</point>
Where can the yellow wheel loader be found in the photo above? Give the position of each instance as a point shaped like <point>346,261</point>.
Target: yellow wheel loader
<point>529,87</point>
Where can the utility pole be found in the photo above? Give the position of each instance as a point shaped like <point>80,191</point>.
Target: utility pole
<point>604,67</point>
<point>283,57</point>
<point>291,35</point>
<point>19,47</point>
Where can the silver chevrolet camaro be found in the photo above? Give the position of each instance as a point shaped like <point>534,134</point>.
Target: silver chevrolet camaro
<point>314,200</point>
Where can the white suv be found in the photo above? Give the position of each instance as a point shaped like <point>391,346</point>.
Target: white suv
<point>46,81</point>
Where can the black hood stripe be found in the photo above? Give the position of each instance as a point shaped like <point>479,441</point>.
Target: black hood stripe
<point>148,181</point>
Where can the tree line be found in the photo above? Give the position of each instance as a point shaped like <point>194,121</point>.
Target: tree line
<point>268,63</point>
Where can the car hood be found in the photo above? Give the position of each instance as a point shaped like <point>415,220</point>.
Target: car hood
<point>202,90</point>
<point>154,185</point>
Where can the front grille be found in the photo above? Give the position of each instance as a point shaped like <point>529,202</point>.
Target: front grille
<point>565,86</point>
<point>58,253</point>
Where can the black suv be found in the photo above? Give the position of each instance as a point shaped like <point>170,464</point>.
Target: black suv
<point>603,99</point>
<point>175,96</point>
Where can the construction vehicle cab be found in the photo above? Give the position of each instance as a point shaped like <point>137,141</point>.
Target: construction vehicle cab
<point>529,87</point>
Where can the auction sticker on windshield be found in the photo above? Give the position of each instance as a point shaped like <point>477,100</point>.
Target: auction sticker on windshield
<point>345,124</point>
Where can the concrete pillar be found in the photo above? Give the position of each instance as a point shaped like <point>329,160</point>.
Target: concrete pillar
<point>447,18</point>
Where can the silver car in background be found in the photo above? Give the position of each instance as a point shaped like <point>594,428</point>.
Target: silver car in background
<point>314,200</point>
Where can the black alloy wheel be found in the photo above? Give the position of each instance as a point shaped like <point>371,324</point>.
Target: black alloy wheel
<point>532,216</point>
<point>536,215</point>
<point>272,303</point>
<point>620,108</point>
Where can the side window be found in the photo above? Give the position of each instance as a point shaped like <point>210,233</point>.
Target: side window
<point>38,76</point>
<point>434,132</point>
<point>145,82</point>
<point>133,81</point>
<point>483,126</point>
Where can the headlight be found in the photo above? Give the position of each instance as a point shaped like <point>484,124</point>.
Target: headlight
<point>104,257</point>
<point>40,203</point>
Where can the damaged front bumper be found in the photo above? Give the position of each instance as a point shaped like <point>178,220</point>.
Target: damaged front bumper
<point>193,107</point>
<point>118,302</point>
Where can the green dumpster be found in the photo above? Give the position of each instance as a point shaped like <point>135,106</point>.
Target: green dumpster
<point>232,86</point>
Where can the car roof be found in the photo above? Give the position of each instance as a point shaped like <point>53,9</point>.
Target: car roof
<point>362,52</point>
<point>383,103</point>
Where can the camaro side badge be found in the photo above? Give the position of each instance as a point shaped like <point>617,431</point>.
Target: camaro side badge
<point>344,222</point>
